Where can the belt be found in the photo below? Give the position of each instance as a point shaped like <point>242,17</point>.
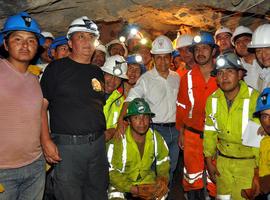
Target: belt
<point>232,157</point>
<point>75,139</point>
<point>164,124</point>
<point>193,130</point>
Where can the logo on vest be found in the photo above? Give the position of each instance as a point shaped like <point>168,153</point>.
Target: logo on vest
<point>96,85</point>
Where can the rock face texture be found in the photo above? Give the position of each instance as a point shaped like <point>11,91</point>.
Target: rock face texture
<point>153,16</point>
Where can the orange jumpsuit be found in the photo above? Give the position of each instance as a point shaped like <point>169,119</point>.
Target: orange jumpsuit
<point>182,70</point>
<point>190,114</point>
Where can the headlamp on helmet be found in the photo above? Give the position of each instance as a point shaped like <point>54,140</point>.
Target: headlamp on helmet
<point>117,71</point>
<point>204,38</point>
<point>122,39</point>
<point>82,24</point>
<point>197,39</point>
<point>116,65</point>
<point>143,41</point>
<point>138,58</point>
<point>134,59</point>
<point>134,31</point>
<point>226,61</point>
<point>221,62</point>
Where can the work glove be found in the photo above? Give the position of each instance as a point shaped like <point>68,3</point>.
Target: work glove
<point>2,189</point>
<point>147,191</point>
<point>254,191</point>
<point>162,187</point>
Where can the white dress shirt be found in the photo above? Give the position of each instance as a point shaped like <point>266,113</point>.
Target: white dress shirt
<point>160,93</point>
<point>264,79</point>
<point>253,71</point>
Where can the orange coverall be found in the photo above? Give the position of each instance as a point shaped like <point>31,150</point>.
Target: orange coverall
<point>190,114</point>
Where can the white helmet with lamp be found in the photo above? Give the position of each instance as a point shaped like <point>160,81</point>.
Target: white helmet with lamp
<point>116,66</point>
<point>82,24</point>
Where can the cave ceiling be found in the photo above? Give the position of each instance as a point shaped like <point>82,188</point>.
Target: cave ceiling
<point>152,16</point>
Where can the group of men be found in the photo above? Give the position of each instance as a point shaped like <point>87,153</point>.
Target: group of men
<point>141,109</point>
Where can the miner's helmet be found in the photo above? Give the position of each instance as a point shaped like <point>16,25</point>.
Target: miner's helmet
<point>228,60</point>
<point>138,106</point>
<point>263,102</point>
<point>21,22</point>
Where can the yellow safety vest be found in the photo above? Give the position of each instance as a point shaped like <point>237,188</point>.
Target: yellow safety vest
<point>128,168</point>
<point>113,108</point>
<point>264,163</point>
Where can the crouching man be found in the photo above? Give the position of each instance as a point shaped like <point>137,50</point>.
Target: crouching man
<point>139,161</point>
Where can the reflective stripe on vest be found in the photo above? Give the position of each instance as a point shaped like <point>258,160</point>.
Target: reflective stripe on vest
<point>223,197</point>
<point>212,116</point>
<point>155,143</point>
<point>191,178</point>
<point>113,193</point>
<point>109,155</point>
<point>209,128</point>
<point>180,104</point>
<point>245,113</point>
<point>190,93</point>
<point>124,154</point>
<point>115,117</point>
<point>158,162</point>
<point>118,195</point>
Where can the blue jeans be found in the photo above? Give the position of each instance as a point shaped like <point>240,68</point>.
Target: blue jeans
<point>24,183</point>
<point>170,135</point>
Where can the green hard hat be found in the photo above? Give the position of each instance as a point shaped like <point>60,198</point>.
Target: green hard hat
<point>138,106</point>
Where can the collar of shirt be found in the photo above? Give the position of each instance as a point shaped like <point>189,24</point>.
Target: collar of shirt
<point>254,63</point>
<point>156,74</point>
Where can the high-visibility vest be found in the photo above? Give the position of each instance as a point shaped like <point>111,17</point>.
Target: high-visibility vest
<point>228,126</point>
<point>245,113</point>
<point>113,108</point>
<point>127,168</point>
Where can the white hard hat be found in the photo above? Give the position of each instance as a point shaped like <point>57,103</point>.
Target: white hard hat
<point>183,41</point>
<point>116,65</point>
<point>261,37</point>
<point>47,35</point>
<point>222,29</point>
<point>102,48</point>
<point>116,41</point>
<point>239,31</point>
<point>162,45</point>
<point>82,24</point>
